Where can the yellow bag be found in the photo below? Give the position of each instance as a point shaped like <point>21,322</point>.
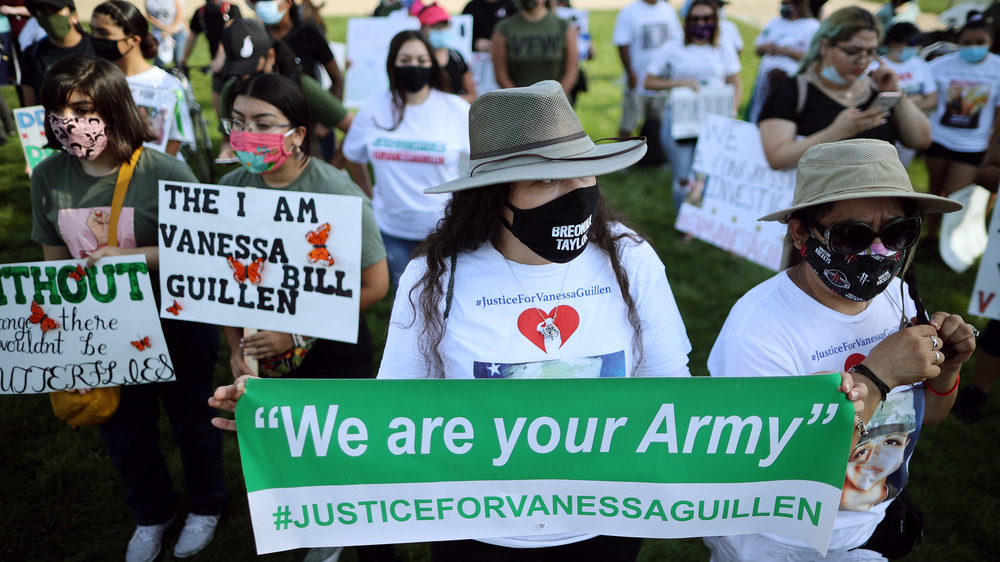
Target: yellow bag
<point>92,408</point>
<point>98,405</point>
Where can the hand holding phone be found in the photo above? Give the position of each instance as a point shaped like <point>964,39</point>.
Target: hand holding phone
<point>887,100</point>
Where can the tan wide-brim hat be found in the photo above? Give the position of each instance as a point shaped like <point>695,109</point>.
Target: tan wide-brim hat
<point>532,133</point>
<point>855,169</point>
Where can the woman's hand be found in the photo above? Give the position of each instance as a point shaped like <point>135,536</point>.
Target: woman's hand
<point>907,357</point>
<point>852,121</point>
<point>885,78</point>
<point>225,398</point>
<point>265,344</point>
<point>956,340</point>
<point>102,252</point>
<point>855,391</point>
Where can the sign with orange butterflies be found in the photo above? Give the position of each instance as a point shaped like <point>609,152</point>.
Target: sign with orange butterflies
<point>261,258</point>
<point>64,326</point>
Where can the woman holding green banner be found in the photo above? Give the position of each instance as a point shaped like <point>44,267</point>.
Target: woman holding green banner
<point>854,220</point>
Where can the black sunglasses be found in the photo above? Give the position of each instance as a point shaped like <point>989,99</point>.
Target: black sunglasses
<point>849,238</point>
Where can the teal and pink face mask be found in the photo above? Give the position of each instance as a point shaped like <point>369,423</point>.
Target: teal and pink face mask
<point>260,153</point>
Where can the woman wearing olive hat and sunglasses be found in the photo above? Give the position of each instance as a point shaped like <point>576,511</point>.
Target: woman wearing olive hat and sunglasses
<point>854,220</point>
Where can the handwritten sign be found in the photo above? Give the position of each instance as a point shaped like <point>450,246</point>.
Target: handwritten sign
<point>689,109</point>
<point>984,301</point>
<point>734,186</point>
<point>63,326</point>
<point>31,131</point>
<point>156,106</point>
<point>261,258</point>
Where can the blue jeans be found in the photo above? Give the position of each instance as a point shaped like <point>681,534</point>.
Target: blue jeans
<point>681,155</point>
<point>397,255</point>
<point>132,438</point>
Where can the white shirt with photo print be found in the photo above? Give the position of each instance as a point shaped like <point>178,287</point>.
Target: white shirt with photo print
<point>967,98</point>
<point>179,125</point>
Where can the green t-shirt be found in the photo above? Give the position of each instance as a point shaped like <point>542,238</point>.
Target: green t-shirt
<point>320,177</point>
<point>68,206</point>
<point>326,108</point>
<point>536,51</point>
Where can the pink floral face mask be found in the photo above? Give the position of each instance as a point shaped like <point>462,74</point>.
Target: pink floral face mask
<point>82,137</point>
<point>260,153</point>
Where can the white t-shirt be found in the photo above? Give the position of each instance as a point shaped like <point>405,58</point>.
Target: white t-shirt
<point>967,98</point>
<point>644,28</point>
<point>423,151</point>
<point>776,329</point>
<point>493,329</point>
<point>707,64</point>
<point>181,128</point>
<point>796,34</point>
<point>915,78</point>
<point>729,33</point>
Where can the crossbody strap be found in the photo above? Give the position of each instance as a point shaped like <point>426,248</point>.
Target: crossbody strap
<point>121,186</point>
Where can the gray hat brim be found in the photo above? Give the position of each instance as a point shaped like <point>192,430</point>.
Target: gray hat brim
<point>603,159</point>
<point>928,203</point>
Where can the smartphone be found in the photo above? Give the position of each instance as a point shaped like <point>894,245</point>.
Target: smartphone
<point>887,100</point>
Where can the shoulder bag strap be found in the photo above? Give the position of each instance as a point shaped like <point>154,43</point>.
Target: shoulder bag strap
<point>121,186</point>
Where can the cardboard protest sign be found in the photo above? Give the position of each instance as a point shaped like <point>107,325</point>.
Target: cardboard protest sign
<point>984,301</point>
<point>689,109</point>
<point>156,106</point>
<point>31,131</point>
<point>63,326</point>
<point>733,186</point>
<point>261,258</point>
<point>326,464</point>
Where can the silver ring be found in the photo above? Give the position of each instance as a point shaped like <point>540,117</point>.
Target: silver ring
<point>934,343</point>
<point>937,357</point>
<point>975,332</point>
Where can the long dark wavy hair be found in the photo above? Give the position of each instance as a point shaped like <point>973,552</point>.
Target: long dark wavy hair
<point>439,80</point>
<point>105,85</point>
<point>471,219</point>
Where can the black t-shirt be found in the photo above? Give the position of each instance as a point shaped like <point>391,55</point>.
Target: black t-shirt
<point>456,69</point>
<point>211,19</point>
<point>309,44</point>
<point>817,113</point>
<point>485,16</point>
<point>42,54</point>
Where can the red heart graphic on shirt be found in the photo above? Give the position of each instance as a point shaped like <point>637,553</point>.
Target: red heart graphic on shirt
<point>564,317</point>
<point>852,360</point>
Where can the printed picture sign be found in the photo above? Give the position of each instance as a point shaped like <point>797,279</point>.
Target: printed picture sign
<point>261,258</point>
<point>31,131</point>
<point>689,109</point>
<point>63,326</point>
<point>156,106</point>
<point>327,465</point>
<point>732,187</point>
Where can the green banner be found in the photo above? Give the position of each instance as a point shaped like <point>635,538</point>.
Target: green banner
<point>348,462</point>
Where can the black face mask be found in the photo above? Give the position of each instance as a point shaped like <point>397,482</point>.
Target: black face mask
<point>413,78</point>
<point>558,230</point>
<point>107,49</point>
<point>856,277</point>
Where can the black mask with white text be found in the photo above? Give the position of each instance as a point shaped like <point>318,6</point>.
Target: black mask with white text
<point>857,277</point>
<point>557,231</point>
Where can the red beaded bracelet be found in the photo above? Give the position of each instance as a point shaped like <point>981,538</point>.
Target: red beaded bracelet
<point>953,389</point>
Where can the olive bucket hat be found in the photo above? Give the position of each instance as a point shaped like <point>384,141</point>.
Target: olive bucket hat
<point>855,169</point>
<point>532,133</point>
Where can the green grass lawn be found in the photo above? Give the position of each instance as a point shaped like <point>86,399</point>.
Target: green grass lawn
<point>61,499</point>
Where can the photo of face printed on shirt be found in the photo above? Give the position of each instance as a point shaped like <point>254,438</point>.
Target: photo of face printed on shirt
<point>964,104</point>
<point>877,468</point>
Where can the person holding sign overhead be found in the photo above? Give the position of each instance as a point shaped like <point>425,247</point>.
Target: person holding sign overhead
<point>272,136</point>
<point>699,60</point>
<point>121,35</point>
<point>854,220</point>
<point>97,131</point>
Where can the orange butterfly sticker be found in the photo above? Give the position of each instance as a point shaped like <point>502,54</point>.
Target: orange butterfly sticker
<point>175,309</point>
<point>250,272</point>
<point>142,344</point>
<point>317,238</point>
<point>39,317</point>
<point>79,274</point>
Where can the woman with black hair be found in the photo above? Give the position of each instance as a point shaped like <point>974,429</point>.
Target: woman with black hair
<point>121,36</point>
<point>95,127</point>
<point>414,135</point>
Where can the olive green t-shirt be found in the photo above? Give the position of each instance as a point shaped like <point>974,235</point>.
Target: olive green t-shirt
<point>536,51</point>
<point>320,177</point>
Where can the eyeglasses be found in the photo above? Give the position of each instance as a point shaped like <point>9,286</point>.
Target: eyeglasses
<point>857,55</point>
<point>701,19</point>
<point>230,125</point>
<point>849,238</point>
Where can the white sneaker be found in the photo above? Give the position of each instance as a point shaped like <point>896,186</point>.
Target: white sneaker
<point>197,533</point>
<point>326,554</point>
<point>146,542</point>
